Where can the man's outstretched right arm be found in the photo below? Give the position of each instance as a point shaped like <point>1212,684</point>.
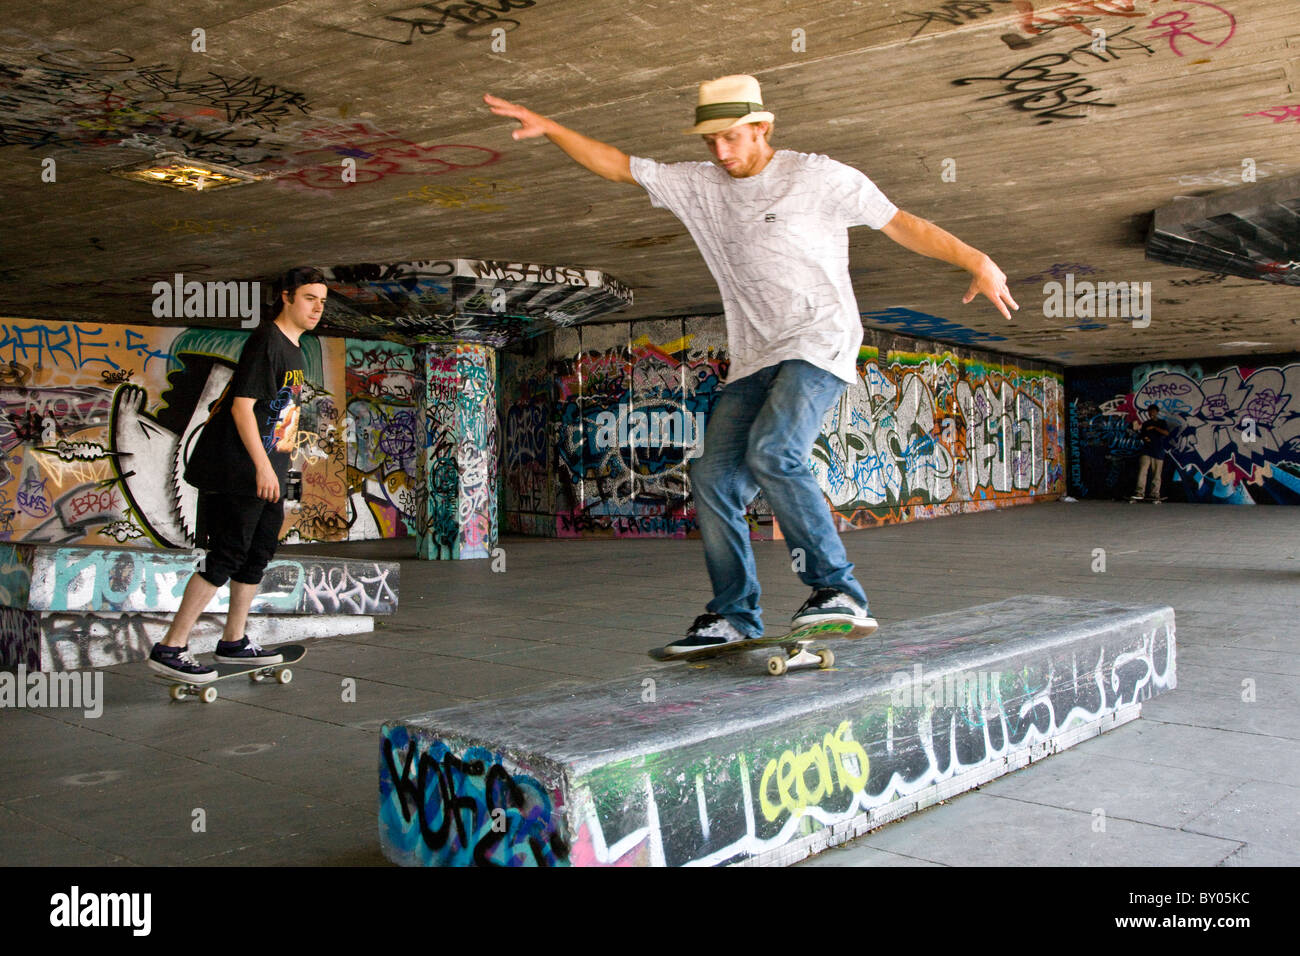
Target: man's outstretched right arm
<point>601,158</point>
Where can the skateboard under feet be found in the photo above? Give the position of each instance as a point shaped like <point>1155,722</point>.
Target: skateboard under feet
<point>182,688</point>
<point>794,645</point>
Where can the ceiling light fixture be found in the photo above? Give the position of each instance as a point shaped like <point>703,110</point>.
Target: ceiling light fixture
<point>181,172</point>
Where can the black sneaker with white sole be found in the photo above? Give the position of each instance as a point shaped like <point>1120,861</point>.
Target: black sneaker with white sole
<point>178,662</point>
<point>707,630</point>
<point>245,651</point>
<point>828,604</point>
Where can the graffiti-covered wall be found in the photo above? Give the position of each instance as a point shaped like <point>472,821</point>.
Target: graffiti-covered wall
<point>95,420</point>
<point>1234,428</point>
<point>600,424</point>
<point>927,433</point>
<point>382,388</point>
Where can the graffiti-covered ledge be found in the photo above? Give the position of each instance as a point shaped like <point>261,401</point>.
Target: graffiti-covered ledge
<point>453,301</point>
<point>723,764</point>
<point>65,608</point>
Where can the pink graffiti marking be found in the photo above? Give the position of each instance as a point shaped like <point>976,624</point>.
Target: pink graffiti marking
<point>377,154</point>
<point>1179,23</point>
<point>1280,114</point>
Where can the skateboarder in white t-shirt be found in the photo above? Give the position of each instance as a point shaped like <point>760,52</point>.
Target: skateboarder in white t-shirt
<point>772,227</point>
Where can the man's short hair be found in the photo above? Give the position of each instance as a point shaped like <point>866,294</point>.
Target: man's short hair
<point>290,281</point>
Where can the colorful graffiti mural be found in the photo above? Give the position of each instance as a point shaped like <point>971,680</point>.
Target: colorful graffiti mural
<point>920,434</point>
<point>444,810</point>
<point>632,402</point>
<point>1235,435</point>
<point>95,422</point>
<point>382,389</point>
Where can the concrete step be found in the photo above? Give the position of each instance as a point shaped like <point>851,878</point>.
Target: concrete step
<point>49,578</point>
<point>724,764</point>
<point>68,641</point>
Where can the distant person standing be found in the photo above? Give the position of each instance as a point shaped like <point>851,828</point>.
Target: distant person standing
<point>1155,434</point>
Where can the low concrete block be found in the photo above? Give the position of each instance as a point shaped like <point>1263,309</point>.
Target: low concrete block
<point>66,641</point>
<point>47,578</point>
<point>726,765</point>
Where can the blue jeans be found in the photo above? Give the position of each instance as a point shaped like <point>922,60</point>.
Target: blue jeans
<point>759,435</point>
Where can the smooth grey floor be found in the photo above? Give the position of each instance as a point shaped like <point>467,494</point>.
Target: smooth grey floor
<point>288,774</point>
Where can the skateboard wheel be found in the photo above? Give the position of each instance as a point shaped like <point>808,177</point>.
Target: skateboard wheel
<point>256,677</point>
<point>209,694</point>
<point>178,692</point>
<point>284,676</point>
<point>776,666</point>
<point>827,659</point>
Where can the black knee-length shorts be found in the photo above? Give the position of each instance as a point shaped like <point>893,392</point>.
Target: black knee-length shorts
<point>240,533</point>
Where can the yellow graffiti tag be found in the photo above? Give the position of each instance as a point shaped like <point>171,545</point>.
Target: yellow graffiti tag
<point>790,773</point>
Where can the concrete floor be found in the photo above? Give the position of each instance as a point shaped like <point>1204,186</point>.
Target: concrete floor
<point>288,774</point>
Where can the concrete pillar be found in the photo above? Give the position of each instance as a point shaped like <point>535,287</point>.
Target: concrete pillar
<point>456,473</point>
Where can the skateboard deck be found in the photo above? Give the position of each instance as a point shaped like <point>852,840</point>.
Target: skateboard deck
<point>182,687</point>
<point>1148,501</point>
<point>794,644</point>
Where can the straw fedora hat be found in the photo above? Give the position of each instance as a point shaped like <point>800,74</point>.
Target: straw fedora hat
<point>726,102</point>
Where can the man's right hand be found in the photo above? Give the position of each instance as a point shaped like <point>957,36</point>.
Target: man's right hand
<point>604,160</point>
<point>530,123</point>
<point>268,485</point>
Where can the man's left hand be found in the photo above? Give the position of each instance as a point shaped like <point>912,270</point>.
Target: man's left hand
<point>992,282</point>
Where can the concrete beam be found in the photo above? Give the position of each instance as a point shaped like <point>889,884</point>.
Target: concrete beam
<point>726,765</point>
<point>456,471</point>
<point>454,301</point>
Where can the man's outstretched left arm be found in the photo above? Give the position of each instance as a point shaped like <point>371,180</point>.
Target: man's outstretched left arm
<point>922,236</point>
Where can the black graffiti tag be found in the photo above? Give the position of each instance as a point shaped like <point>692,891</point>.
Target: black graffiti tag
<point>952,13</point>
<point>1032,87</point>
<point>499,793</point>
<point>472,16</point>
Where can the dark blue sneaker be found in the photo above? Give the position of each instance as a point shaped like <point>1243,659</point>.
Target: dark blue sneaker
<point>708,630</point>
<point>828,604</point>
<point>177,662</point>
<point>244,651</point>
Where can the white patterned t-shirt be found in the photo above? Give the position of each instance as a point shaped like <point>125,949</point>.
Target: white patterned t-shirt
<point>777,244</point>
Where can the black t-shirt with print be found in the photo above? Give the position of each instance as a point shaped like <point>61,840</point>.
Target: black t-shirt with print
<point>270,371</point>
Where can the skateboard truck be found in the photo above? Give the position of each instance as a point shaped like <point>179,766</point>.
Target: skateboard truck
<point>207,693</point>
<point>797,655</point>
<point>257,673</point>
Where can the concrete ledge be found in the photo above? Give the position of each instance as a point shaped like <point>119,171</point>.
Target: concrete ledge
<point>46,578</point>
<point>66,641</point>
<point>722,764</point>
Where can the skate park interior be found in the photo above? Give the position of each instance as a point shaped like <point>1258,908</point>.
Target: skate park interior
<point>514,373</point>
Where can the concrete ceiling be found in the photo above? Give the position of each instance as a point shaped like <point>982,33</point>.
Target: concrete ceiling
<point>1060,152</point>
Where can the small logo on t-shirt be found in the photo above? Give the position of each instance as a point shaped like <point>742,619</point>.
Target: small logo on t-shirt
<point>770,217</point>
